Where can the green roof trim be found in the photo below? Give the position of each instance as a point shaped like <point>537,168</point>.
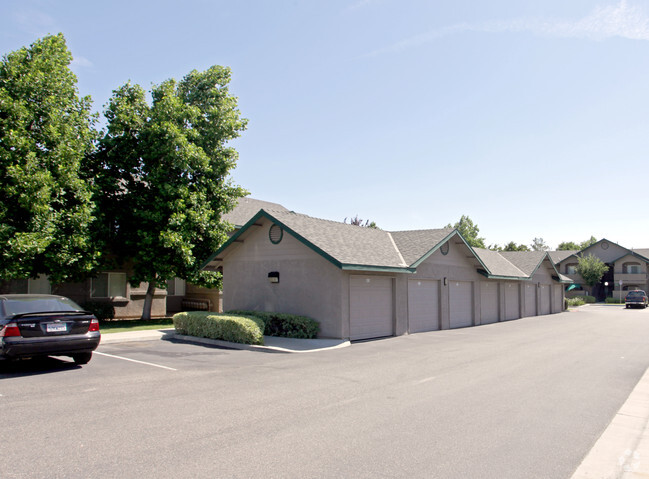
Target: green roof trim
<point>495,276</point>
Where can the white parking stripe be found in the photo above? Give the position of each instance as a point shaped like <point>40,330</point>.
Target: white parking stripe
<point>135,361</point>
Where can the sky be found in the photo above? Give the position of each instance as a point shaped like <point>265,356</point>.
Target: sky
<point>530,117</point>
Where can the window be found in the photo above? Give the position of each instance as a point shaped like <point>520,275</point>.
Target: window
<point>631,268</point>
<point>40,285</point>
<point>571,268</point>
<point>108,285</point>
<point>176,287</point>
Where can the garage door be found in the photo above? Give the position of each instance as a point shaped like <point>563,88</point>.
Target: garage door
<point>556,302</point>
<point>461,303</point>
<point>544,299</point>
<point>370,305</point>
<point>423,305</point>
<point>530,300</point>
<point>512,302</point>
<point>488,302</point>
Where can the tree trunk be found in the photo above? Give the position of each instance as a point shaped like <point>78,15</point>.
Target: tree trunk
<point>148,300</point>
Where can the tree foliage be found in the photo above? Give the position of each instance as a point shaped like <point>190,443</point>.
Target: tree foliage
<point>163,172</point>
<point>539,245</point>
<point>572,246</point>
<point>356,221</point>
<point>46,130</point>
<point>591,269</point>
<point>511,246</point>
<point>469,231</point>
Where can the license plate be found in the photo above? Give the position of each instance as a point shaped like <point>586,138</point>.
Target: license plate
<point>56,327</point>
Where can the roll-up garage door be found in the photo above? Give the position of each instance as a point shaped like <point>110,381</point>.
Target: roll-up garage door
<point>512,302</point>
<point>423,305</point>
<point>556,300</point>
<point>544,299</point>
<point>370,307</point>
<point>530,300</point>
<point>461,303</point>
<point>488,302</point>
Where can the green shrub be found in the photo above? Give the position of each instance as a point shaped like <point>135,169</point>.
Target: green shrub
<point>589,299</point>
<point>284,325</point>
<point>577,301</point>
<point>102,310</point>
<point>610,300</point>
<point>227,327</point>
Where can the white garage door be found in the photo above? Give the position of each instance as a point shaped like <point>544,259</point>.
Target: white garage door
<point>370,304</point>
<point>423,305</point>
<point>488,302</point>
<point>544,299</point>
<point>530,300</point>
<point>512,302</point>
<point>556,303</point>
<point>461,303</point>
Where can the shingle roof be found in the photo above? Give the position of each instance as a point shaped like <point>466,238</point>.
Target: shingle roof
<point>345,243</point>
<point>558,256</point>
<point>497,264</point>
<point>247,208</point>
<point>526,261</point>
<point>414,245</point>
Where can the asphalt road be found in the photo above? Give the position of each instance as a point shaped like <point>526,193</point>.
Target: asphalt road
<point>522,399</point>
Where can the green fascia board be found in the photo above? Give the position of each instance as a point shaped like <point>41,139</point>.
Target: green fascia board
<point>377,269</point>
<point>631,253</point>
<point>562,281</point>
<point>554,267</point>
<point>307,243</point>
<point>495,276</point>
<point>439,245</point>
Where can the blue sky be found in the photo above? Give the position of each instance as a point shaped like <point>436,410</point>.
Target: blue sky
<point>530,117</point>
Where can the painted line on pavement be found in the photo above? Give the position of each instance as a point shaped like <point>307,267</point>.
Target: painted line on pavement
<point>135,361</point>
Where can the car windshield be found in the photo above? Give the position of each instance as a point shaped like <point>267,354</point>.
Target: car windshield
<point>15,306</point>
<point>635,294</point>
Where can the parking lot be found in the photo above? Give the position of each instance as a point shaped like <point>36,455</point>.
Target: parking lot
<point>526,398</point>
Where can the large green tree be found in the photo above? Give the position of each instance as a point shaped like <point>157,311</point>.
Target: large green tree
<point>572,246</point>
<point>163,173</point>
<point>591,269</point>
<point>46,129</point>
<point>469,231</point>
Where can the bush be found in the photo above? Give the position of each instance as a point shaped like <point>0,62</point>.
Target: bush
<point>227,327</point>
<point>577,301</point>
<point>589,299</point>
<point>102,310</point>
<point>284,325</point>
<point>610,300</point>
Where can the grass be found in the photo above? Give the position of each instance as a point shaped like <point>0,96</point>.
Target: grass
<point>125,325</point>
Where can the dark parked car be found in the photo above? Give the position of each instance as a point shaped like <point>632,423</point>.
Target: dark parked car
<point>636,297</point>
<point>46,325</point>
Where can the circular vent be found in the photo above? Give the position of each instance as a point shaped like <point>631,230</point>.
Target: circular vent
<point>275,234</point>
<point>604,245</point>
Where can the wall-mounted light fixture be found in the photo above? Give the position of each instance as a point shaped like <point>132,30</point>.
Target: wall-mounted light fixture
<point>445,281</point>
<point>273,277</point>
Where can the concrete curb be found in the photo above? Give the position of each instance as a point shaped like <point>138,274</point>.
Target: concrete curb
<point>272,344</point>
<point>622,451</point>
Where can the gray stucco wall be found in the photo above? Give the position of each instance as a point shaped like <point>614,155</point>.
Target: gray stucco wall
<point>308,284</point>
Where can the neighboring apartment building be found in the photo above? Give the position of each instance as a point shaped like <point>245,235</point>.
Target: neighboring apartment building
<point>128,301</point>
<point>627,270</point>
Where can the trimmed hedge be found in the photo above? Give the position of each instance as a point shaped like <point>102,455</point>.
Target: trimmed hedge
<point>590,299</point>
<point>611,300</point>
<point>227,327</point>
<point>284,325</point>
<point>102,310</point>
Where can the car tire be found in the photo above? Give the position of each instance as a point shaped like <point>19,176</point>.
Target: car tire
<point>81,358</point>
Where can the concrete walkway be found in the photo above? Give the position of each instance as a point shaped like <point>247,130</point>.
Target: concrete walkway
<point>271,343</point>
<point>622,451</point>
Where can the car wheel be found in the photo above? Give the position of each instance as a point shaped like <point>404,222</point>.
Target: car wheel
<point>81,358</point>
<point>627,306</point>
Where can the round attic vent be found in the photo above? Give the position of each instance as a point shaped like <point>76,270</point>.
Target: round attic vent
<point>275,234</point>
<point>444,248</point>
<point>604,245</point>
